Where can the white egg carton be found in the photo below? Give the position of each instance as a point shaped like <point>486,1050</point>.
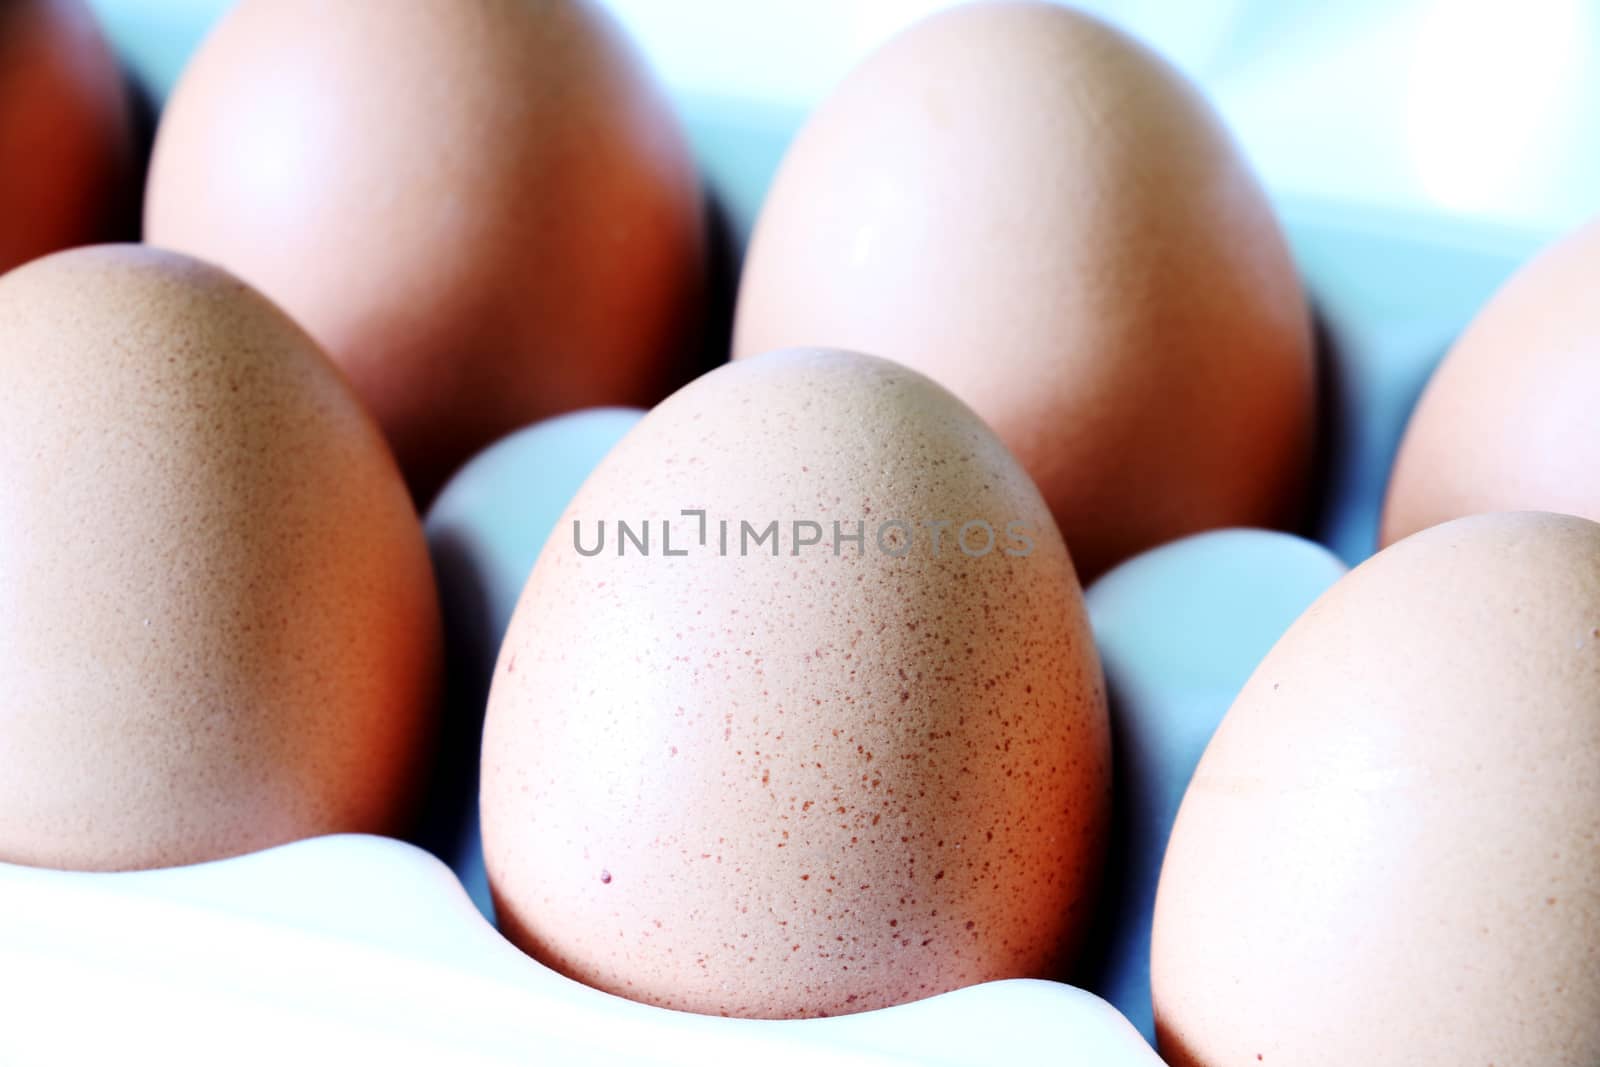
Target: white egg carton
<point>371,950</point>
<point>365,950</point>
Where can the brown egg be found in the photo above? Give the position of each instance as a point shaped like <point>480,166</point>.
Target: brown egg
<point>217,620</point>
<point>1507,422</point>
<point>483,209</point>
<point>1390,853</point>
<point>68,174</point>
<point>1048,220</point>
<point>803,775</point>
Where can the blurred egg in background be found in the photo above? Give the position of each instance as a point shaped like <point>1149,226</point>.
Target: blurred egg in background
<point>70,172</point>
<point>1325,99</point>
<point>1047,219</point>
<point>485,531</point>
<point>1388,851</point>
<point>487,213</point>
<point>1508,421</point>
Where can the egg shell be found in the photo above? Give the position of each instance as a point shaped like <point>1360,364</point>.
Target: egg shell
<point>807,783</point>
<point>1180,629</point>
<point>1047,219</point>
<point>483,209</point>
<point>1507,421</point>
<point>218,627</point>
<point>485,531</point>
<point>1390,852</point>
<point>68,167</point>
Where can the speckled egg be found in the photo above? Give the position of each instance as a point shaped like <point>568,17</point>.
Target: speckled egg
<point>218,628</point>
<point>1390,851</point>
<point>1046,218</point>
<point>1508,420</point>
<point>484,210</point>
<point>799,713</point>
<point>68,165</point>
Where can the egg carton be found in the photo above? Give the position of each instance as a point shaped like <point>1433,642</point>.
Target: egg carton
<point>364,947</point>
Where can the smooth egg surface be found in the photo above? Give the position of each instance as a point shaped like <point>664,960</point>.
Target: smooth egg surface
<point>1047,219</point>
<point>1390,851</point>
<point>1507,421</point>
<point>484,210</point>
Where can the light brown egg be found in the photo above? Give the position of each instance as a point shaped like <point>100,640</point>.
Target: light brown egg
<point>218,629</point>
<point>1047,219</point>
<point>801,783</point>
<point>483,209</point>
<point>1390,852</point>
<point>1508,420</point>
<point>68,172</point>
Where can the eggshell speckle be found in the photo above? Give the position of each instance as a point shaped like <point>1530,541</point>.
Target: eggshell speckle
<point>1390,852</point>
<point>1045,218</point>
<point>806,783</point>
<point>218,629</point>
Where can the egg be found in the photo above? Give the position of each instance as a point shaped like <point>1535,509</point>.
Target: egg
<point>218,627</point>
<point>68,166</point>
<point>1180,628</point>
<point>483,209</point>
<point>485,531</point>
<point>1506,422</point>
<point>1047,219</point>
<point>799,713</point>
<point>1390,851</point>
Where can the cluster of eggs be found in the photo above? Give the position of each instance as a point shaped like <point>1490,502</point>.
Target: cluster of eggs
<point>819,725</point>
